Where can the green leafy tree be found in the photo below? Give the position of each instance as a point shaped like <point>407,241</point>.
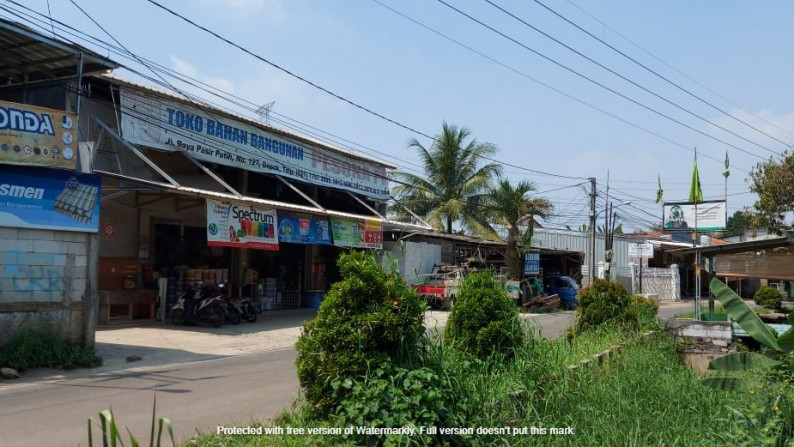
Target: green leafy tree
<point>511,206</point>
<point>738,223</point>
<point>455,182</point>
<point>773,182</point>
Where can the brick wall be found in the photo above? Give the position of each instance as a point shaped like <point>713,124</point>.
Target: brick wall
<point>43,280</point>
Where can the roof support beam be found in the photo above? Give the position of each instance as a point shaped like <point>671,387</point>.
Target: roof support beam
<point>410,212</point>
<point>134,150</point>
<point>211,174</point>
<point>365,204</point>
<point>301,193</point>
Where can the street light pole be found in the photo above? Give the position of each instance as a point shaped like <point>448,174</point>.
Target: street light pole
<point>591,261</point>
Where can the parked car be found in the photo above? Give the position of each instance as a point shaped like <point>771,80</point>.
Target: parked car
<point>440,287</point>
<point>564,287</point>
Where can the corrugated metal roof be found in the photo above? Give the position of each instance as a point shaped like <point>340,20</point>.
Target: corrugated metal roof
<point>29,56</point>
<point>236,116</point>
<point>577,241</point>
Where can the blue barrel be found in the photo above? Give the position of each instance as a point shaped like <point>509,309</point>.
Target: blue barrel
<point>314,298</point>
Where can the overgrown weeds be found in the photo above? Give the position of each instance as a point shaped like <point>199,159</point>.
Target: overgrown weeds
<point>38,348</point>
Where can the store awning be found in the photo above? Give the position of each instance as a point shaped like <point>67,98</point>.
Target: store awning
<point>738,247</point>
<point>30,57</point>
<point>228,193</point>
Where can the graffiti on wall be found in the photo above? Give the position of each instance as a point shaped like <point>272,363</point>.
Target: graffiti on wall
<point>33,275</point>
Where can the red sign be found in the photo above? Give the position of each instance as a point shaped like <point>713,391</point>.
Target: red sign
<point>108,230</point>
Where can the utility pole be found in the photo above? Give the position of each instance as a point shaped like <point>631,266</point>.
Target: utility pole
<point>591,261</point>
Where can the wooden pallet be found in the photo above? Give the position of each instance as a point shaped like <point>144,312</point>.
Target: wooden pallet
<point>548,302</point>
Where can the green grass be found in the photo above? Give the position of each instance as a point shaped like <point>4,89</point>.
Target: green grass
<point>644,396</point>
<point>33,348</point>
<point>721,310</point>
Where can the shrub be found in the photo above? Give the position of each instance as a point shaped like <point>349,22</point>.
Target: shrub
<point>605,301</point>
<point>647,308</point>
<point>395,397</point>
<point>34,348</point>
<point>368,320</point>
<point>768,297</point>
<point>484,318</point>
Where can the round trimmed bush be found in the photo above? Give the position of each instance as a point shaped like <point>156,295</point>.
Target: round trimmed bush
<point>369,319</point>
<point>768,297</point>
<point>605,301</point>
<point>647,308</point>
<point>484,319</point>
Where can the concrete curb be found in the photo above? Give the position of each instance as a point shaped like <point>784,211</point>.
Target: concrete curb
<point>605,355</point>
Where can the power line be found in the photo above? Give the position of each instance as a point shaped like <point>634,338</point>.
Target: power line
<point>284,70</point>
<point>571,70</point>
<point>334,94</point>
<point>341,98</point>
<point>548,86</point>
<point>639,47</point>
<point>663,78</point>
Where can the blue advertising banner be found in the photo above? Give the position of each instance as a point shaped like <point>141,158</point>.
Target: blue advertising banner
<point>303,229</point>
<point>532,262</point>
<point>51,199</point>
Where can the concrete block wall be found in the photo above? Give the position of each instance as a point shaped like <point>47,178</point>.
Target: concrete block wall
<point>663,282</point>
<point>43,280</point>
<point>414,258</point>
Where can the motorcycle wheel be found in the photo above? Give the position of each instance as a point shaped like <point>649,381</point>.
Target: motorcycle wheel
<point>178,317</point>
<point>250,313</point>
<point>234,317</point>
<point>217,318</point>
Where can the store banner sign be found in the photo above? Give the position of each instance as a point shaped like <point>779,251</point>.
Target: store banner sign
<point>356,233</point>
<point>174,126</point>
<point>241,225</point>
<point>532,262</point>
<point>303,229</point>
<point>51,199</point>
<point>37,136</point>
<point>373,233</point>
<point>680,216</point>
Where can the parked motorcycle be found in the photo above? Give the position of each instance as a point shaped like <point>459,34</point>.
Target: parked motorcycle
<point>250,309</point>
<point>198,305</point>
<point>230,312</point>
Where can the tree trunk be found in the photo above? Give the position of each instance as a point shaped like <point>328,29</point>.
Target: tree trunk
<point>449,224</point>
<point>512,258</point>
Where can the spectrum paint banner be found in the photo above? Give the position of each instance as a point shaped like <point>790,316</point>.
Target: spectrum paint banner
<point>356,233</point>
<point>240,225</point>
<point>31,135</point>
<point>299,229</point>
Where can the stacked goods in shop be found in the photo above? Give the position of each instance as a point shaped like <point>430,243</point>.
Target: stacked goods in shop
<point>208,276</point>
<point>170,296</point>
<point>268,297</point>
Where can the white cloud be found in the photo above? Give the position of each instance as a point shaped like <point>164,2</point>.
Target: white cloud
<point>183,66</point>
<point>274,9</point>
<point>221,84</point>
<point>186,68</point>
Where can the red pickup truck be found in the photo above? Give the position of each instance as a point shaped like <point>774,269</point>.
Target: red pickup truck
<point>440,287</point>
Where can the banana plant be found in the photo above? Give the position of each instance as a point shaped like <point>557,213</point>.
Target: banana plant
<point>748,320</point>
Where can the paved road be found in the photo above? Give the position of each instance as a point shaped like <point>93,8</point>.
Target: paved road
<point>193,395</point>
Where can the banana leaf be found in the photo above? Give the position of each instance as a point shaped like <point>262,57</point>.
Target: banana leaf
<point>741,361</point>
<point>786,340</point>
<point>725,383</point>
<point>743,315</point>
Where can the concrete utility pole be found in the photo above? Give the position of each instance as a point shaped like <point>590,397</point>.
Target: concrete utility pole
<point>591,260</point>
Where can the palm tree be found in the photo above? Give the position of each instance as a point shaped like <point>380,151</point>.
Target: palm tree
<point>456,180</point>
<point>511,206</point>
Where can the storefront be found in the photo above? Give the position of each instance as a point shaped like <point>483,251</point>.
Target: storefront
<point>222,199</point>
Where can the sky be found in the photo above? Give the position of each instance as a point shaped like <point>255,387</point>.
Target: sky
<point>734,55</point>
